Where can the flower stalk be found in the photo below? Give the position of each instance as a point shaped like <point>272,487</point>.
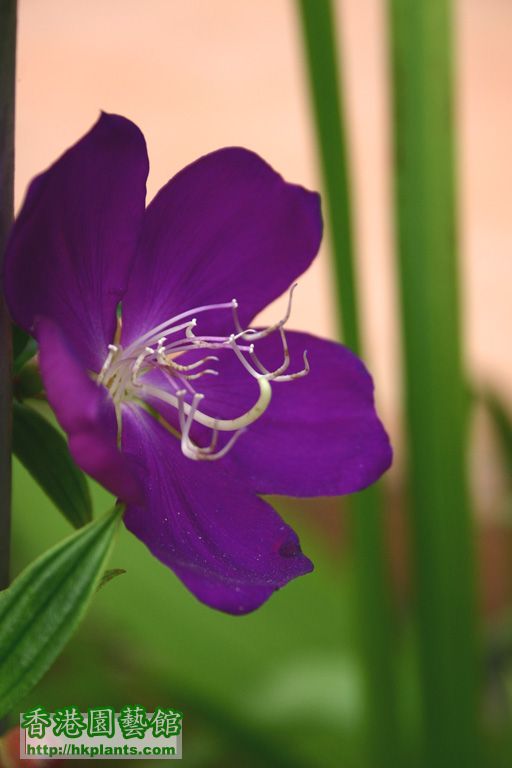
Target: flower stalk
<point>7,75</point>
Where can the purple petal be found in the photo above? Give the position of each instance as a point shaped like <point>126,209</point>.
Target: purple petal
<point>73,242</point>
<point>320,435</point>
<point>85,413</point>
<point>229,547</point>
<point>227,226</point>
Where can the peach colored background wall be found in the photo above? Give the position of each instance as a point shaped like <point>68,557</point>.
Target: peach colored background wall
<point>199,74</point>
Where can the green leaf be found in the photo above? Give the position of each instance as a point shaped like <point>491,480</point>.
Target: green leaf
<point>440,518</point>
<point>27,383</point>
<point>43,452</point>
<point>43,606</point>
<point>502,422</point>
<point>112,573</point>
<point>324,57</point>
<point>23,348</point>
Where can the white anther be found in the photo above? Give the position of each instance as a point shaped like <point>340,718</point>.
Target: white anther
<point>181,394</point>
<point>189,332</point>
<point>256,335</point>
<point>207,454</point>
<point>274,375</point>
<point>191,366</point>
<point>248,367</point>
<point>192,376</point>
<point>186,420</point>
<point>213,444</point>
<point>299,374</point>
<point>137,366</point>
<point>112,349</point>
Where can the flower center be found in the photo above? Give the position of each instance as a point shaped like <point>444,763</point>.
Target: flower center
<point>125,374</point>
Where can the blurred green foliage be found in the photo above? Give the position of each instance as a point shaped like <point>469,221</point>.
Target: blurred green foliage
<point>279,687</point>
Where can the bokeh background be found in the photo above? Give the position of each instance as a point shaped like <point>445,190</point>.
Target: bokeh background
<point>286,685</point>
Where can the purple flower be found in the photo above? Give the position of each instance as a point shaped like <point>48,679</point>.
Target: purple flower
<point>169,397</point>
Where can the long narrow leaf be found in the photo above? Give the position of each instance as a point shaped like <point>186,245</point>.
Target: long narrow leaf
<point>436,397</point>
<point>372,580</point>
<point>44,453</point>
<point>43,606</point>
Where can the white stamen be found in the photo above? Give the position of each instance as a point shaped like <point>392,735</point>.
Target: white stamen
<point>274,375</point>
<point>256,335</point>
<point>192,376</point>
<point>223,425</point>
<point>168,326</point>
<point>299,374</point>
<point>191,367</point>
<point>138,365</point>
<point>124,373</point>
<point>112,349</point>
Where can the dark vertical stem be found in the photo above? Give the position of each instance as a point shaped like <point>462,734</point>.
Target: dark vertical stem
<point>7,75</point>
<point>377,646</point>
<point>436,398</point>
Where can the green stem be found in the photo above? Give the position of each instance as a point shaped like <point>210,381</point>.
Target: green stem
<point>7,70</point>
<point>317,22</point>
<point>372,578</point>
<point>436,401</point>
